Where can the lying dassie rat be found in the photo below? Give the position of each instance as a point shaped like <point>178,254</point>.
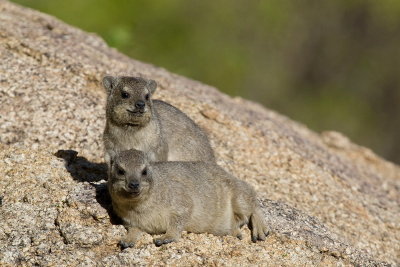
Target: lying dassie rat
<point>170,197</point>
<point>160,130</point>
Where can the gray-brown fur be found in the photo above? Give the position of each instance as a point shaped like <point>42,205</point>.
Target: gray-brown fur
<point>135,121</point>
<point>170,197</point>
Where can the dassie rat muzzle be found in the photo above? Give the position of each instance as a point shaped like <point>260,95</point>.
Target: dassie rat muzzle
<point>129,99</point>
<point>131,110</point>
<point>138,109</point>
<point>130,175</point>
<point>133,187</point>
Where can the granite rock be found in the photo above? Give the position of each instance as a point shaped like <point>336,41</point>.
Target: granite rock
<point>326,199</point>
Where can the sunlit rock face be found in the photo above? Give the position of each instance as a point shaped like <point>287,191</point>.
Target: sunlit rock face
<point>327,200</point>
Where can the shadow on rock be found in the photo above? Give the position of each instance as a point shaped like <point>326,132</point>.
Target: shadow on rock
<point>80,168</point>
<point>104,199</point>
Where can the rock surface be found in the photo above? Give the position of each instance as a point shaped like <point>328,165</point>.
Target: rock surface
<point>327,200</point>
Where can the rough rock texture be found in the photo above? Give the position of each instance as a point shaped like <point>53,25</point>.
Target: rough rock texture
<point>327,200</point>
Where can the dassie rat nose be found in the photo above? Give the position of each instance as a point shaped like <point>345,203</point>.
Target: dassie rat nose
<point>140,104</point>
<point>133,185</point>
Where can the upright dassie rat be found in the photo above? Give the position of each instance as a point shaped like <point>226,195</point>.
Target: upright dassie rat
<point>155,127</point>
<point>170,197</point>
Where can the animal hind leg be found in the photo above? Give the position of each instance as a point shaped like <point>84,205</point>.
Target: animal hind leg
<point>258,227</point>
<point>235,227</point>
<point>173,232</point>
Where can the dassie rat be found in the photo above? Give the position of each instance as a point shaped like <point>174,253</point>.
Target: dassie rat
<point>160,130</point>
<point>171,197</point>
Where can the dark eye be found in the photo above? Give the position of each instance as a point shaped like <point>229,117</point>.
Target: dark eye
<point>121,172</point>
<point>144,172</point>
<point>147,97</point>
<point>124,95</point>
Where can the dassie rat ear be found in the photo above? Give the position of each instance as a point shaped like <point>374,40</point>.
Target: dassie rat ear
<point>109,83</point>
<point>152,85</point>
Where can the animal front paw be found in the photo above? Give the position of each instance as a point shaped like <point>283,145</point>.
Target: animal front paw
<point>162,241</point>
<point>259,234</point>
<point>123,244</point>
<point>237,234</point>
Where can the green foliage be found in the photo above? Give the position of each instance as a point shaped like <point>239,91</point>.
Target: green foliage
<point>330,64</point>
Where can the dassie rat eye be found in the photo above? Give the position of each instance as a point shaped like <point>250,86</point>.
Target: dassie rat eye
<point>124,95</point>
<point>144,172</point>
<point>121,172</point>
<point>147,97</point>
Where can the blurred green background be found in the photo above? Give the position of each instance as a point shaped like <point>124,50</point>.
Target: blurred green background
<point>333,65</point>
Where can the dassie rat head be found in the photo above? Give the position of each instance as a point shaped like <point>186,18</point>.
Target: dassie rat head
<point>130,174</point>
<point>129,100</point>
